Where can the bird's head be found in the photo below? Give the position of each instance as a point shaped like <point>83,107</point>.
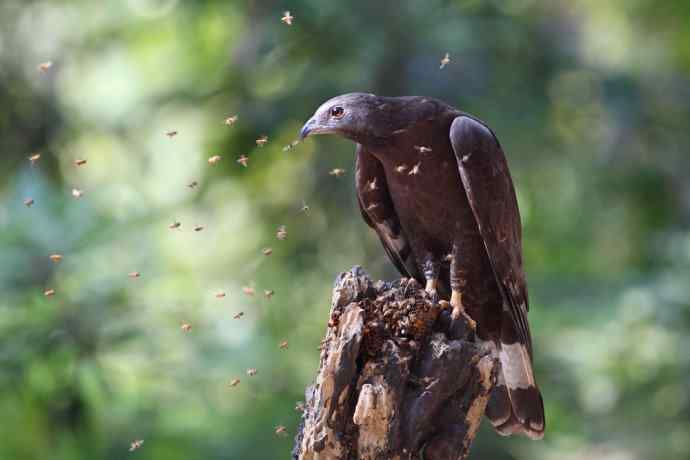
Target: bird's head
<point>346,115</point>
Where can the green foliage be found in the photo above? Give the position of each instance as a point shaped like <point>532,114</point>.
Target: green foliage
<point>590,100</point>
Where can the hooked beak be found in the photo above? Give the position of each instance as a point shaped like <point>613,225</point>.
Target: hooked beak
<point>306,129</point>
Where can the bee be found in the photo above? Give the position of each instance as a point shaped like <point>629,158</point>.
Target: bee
<point>134,274</point>
<point>186,327</point>
<point>401,168</point>
<point>283,345</point>
<point>299,406</point>
<point>248,290</point>
<point>287,18</point>
<point>448,258</point>
<point>251,371</point>
<point>171,134</point>
<point>372,184</point>
<point>198,228</point>
<point>49,292</point>
<point>238,315</point>
<point>281,431</point>
<point>445,61</point>
<point>267,251</point>
<point>193,184</point>
<point>372,206</point>
<point>134,445</point>
<point>263,140</point>
<point>304,208</point>
<point>28,202</point>
<point>337,172</point>
<point>214,159</point>
<point>269,293</point>
<point>281,233</point>
<point>81,162</point>
<point>175,225</point>
<point>55,258</point>
<point>243,160</point>
<point>231,120</point>
<point>290,146</point>
<point>422,149</point>
<point>234,382</point>
<point>76,193</point>
<point>220,295</point>
<point>45,66</point>
<point>415,170</point>
<point>34,158</point>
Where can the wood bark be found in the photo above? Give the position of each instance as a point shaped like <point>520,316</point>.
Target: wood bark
<point>398,379</point>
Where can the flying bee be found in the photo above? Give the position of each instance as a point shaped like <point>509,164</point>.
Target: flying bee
<point>171,134</point>
<point>175,225</point>
<point>269,293</point>
<point>251,371</point>
<point>281,431</point>
<point>134,274</point>
<point>267,251</point>
<point>283,345</point>
<point>290,146</point>
<point>34,158</point>
<point>57,258</point>
<point>186,327</point>
<point>299,406</point>
<point>281,233</point>
<point>220,295</point>
<point>76,193</point>
<point>198,228</point>
<point>231,120</point>
<point>49,292</point>
<point>248,290</point>
<point>261,141</point>
<point>401,168</point>
<point>193,184</point>
<point>415,170</point>
<point>81,162</point>
<point>243,160</point>
<point>238,315</point>
<point>304,208</point>
<point>422,149</point>
<point>28,202</point>
<point>45,66</point>
<point>214,159</point>
<point>445,61</point>
<point>234,382</point>
<point>337,172</point>
<point>287,18</point>
<point>134,445</point>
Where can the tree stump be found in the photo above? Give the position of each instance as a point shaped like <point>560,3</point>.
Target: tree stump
<point>398,379</point>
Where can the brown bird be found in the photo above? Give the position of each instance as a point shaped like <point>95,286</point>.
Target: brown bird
<point>460,202</point>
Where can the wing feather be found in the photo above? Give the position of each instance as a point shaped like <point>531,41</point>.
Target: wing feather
<point>379,213</point>
<point>489,188</point>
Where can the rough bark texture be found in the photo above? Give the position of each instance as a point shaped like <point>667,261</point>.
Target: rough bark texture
<point>397,378</point>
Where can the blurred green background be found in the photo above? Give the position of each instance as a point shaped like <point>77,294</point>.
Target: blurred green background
<point>590,99</point>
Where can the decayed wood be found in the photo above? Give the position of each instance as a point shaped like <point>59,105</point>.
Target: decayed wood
<point>397,378</point>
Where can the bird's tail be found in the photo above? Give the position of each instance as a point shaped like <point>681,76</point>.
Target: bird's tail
<point>515,406</point>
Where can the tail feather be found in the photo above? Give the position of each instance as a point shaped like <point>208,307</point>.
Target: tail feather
<point>516,405</point>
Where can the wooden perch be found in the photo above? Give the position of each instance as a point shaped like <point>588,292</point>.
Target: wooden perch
<point>397,378</point>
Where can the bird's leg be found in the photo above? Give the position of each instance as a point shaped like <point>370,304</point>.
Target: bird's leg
<point>457,282</point>
<point>431,269</point>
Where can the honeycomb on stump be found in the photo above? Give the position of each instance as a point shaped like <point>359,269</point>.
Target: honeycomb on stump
<point>398,310</point>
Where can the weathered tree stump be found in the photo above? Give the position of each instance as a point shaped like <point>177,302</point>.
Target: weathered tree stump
<point>397,378</point>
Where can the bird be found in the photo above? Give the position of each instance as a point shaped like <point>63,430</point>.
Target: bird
<point>454,226</point>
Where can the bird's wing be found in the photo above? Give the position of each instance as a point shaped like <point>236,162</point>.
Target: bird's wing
<point>489,189</point>
<point>379,213</point>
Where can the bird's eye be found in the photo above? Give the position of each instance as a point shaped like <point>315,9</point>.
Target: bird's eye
<point>337,112</point>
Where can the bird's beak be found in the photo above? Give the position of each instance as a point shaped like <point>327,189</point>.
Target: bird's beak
<point>306,129</point>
